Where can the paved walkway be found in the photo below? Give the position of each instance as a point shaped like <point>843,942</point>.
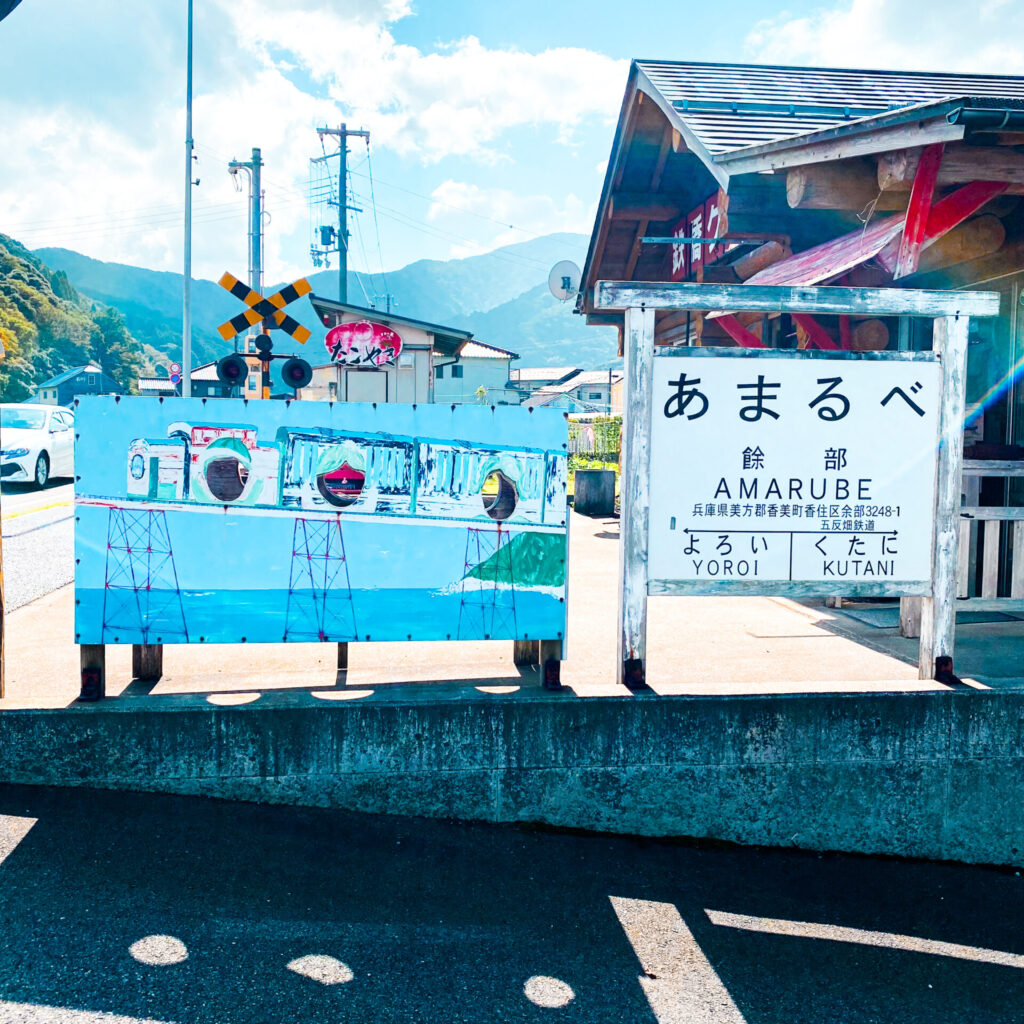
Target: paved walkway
<point>696,645</point>
<point>140,909</point>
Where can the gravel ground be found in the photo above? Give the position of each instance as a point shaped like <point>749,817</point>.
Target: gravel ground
<point>127,907</point>
<point>38,545</point>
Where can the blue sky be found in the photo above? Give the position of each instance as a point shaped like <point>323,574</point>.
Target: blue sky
<point>490,121</point>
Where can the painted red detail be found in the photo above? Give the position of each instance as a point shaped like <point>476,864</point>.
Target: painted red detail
<point>739,333</point>
<point>816,334</point>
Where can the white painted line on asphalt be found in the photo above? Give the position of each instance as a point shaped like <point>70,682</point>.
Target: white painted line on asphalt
<point>37,1013</point>
<point>678,980</point>
<point>13,828</point>
<point>861,937</point>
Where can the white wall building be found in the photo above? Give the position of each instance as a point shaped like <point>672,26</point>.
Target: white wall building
<point>477,373</point>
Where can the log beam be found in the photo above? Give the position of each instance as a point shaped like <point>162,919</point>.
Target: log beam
<point>960,164</point>
<point>844,185</point>
<point>869,336</point>
<point>980,236</point>
<point>763,256</point>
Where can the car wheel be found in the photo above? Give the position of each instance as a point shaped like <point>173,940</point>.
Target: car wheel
<point>42,469</point>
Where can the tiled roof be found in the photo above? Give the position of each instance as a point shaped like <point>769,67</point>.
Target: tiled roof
<point>526,373</point>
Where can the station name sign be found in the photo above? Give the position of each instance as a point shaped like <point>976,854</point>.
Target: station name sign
<point>793,472</point>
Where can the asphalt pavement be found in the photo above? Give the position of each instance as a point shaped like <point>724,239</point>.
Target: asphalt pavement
<point>117,908</point>
<point>38,538</point>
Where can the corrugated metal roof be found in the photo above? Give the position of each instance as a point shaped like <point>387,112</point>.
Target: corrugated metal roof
<point>731,106</point>
<point>68,374</point>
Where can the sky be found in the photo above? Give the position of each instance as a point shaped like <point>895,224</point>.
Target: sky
<point>490,123</point>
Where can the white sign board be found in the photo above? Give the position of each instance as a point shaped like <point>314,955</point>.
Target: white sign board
<point>793,472</point>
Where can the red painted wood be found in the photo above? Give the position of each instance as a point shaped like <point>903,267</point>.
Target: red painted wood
<point>739,333</point>
<point>946,214</point>
<point>918,209</point>
<point>844,332</point>
<point>816,334</point>
<point>832,258</point>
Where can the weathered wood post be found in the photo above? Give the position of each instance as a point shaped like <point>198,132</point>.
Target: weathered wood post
<point>938,612</point>
<point>147,661</point>
<point>635,495</point>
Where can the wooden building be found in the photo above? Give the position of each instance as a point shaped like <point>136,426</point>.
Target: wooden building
<point>809,176</point>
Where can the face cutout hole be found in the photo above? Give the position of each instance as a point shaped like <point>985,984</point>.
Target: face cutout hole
<point>342,486</point>
<point>226,478</point>
<point>499,495</point>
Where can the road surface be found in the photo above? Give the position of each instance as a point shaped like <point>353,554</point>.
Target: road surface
<point>38,534</point>
<point>119,908</point>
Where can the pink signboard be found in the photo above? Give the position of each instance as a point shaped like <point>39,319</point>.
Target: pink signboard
<point>363,344</point>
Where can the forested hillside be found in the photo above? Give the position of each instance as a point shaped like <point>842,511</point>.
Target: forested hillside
<point>46,327</point>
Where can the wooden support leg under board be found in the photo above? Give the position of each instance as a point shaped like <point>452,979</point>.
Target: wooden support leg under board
<point>147,661</point>
<point>343,656</point>
<point>94,672</point>
<point>910,616</point>
<point>550,656</point>
<point>526,652</point>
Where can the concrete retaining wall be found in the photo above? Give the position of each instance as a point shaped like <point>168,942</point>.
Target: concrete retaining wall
<point>937,775</point>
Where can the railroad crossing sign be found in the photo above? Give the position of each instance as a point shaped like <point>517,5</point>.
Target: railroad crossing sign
<point>267,310</point>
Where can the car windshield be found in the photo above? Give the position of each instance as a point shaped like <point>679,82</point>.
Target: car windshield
<point>27,419</point>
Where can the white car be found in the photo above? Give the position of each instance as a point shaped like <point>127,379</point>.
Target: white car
<point>36,442</point>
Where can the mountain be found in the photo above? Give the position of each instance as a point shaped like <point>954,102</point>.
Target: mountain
<point>47,327</point>
<point>500,296</point>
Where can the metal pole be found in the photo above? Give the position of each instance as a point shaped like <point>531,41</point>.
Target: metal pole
<point>343,216</point>
<point>255,224</point>
<point>186,291</point>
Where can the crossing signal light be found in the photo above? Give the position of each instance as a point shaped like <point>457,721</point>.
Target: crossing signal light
<point>296,373</point>
<point>232,370</point>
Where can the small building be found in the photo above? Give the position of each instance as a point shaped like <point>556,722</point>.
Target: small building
<point>586,391</point>
<point>375,356</point>
<point>528,379</point>
<point>71,384</point>
<point>157,387</point>
<point>477,373</point>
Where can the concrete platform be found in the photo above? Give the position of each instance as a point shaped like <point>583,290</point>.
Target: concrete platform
<point>767,722</point>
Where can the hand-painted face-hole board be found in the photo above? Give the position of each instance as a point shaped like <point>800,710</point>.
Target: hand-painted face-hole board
<point>217,521</point>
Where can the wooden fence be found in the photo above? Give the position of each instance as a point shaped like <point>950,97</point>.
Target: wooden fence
<point>981,530</point>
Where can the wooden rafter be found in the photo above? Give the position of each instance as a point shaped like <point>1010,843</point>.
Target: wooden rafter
<point>659,170</point>
<point>918,210</point>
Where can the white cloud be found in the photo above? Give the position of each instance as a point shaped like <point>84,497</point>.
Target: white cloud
<point>456,101</point>
<point>897,34</point>
<point>470,206</point>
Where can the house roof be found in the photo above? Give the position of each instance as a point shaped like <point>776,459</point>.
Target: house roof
<point>447,339</point>
<point>552,373</point>
<point>585,377</point>
<point>543,396</point>
<point>478,350</point>
<point>155,383</point>
<point>69,374</point>
<point>728,107</point>
<point>207,371</point>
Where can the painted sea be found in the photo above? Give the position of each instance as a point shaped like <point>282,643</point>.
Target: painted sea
<point>492,611</point>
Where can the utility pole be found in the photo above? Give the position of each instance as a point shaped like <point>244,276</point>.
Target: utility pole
<point>342,134</point>
<point>186,291</point>
<point>252,169</point>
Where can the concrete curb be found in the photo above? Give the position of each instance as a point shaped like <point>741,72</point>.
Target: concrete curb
<point>936,775</point>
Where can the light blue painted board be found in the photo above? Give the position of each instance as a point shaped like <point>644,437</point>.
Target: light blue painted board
<point>222,521</point>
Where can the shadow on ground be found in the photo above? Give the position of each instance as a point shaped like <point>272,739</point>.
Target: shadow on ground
<point>445,922</point>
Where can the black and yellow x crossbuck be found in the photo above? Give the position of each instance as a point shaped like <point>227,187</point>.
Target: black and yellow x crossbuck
<point>269,310</point>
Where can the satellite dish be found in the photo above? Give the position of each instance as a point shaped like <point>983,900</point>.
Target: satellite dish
<point>564,280</point>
